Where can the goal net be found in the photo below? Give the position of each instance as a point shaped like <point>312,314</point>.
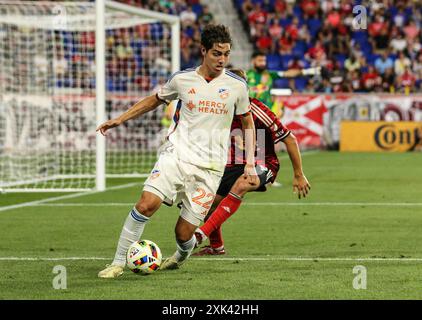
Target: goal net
<point>48,91</point>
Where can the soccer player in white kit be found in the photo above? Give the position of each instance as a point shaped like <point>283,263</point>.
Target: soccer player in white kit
<point>192,160</point>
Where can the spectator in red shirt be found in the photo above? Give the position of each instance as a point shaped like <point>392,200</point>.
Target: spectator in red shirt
<point>286,44</point>
<point>406,82</point>
<point>334,19</point>
<point>275,30</point>
<point>346,7</point>
<point>257,15</point>
<point>293,29</point>
<point>310,8</point>
<point>279,6</point>
<point>317,52</point>
<point>370,79</point>
<point>265,43</point>
<point>375,27</point>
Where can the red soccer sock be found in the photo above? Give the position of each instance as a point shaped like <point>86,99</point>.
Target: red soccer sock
<point>216,239</point>
<point>225,209</point>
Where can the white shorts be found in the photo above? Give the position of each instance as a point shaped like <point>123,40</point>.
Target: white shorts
<point>173,179</point>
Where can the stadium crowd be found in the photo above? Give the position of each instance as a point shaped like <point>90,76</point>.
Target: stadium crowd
<point>193,15</point>
<point>384,54</point>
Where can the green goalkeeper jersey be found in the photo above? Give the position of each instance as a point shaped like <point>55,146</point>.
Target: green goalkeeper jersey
<point>260,85</point>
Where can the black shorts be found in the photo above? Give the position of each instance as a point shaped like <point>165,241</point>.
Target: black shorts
<point>232,173</point>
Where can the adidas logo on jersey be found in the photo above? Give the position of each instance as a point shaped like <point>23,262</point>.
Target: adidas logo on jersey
<point>192,91</point>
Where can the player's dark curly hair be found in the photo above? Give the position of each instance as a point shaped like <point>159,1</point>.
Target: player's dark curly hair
<point>215,34</point>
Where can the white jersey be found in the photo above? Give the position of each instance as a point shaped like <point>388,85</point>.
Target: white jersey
<point>204,114</point>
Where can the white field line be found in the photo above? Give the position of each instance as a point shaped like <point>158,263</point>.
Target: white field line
<point>264,258</point>
<point>69,196</point>
<point>304,204</point>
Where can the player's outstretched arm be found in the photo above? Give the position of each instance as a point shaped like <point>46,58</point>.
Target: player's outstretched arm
<point>142,106</point>
<point>301,186</point>
<point>293,73</point>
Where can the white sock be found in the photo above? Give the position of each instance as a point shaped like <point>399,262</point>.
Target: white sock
<point>131,232</point>
<point>184,249</point>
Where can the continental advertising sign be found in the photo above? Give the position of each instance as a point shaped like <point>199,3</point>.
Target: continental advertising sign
<point>381,136</point>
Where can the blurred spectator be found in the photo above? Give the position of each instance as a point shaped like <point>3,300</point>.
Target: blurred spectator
<point>293,29</point>
<point>388,79</point>
<point>417,66</point>
<point>381,40</point>
<point>334,19</point>
<point>353,80</point>
<point>206,16</point>
<point>310,8</point>
<point>265,43</point>
<point>337,77</point>
<point>370,79</point>
<point>401,63</point>
<point>257,15</point>
<point>187,17</point>
<point>411,30</point>
<point>285,43</point>
<point>351,63</point>
<point>406,81</point>
<point>398,43</point>
<point>384,62</point>
<point>400,18</point>
<point>316,52</point>
<point>275,30</point>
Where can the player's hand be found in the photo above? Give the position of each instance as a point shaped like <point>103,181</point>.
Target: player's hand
<point>301,186</point>
<point>250,175</point>
<point>108,125</point>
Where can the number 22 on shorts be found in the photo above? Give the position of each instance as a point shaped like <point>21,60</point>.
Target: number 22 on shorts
<point>199,199</point>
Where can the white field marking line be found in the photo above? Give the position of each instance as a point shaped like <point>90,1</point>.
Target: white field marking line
<point>69,196</point>
<point>265,258</point>
<point>304,204</point>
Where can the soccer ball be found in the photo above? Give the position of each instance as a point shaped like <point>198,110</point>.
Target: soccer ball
<point>143,256</point>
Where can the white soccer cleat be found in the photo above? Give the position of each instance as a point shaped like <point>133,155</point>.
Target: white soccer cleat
<point>170,263</point>
<point>110,272</point>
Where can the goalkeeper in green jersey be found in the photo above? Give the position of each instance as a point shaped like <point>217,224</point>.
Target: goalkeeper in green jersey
<point>261,80</point>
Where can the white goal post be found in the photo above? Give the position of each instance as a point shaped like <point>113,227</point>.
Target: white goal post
<point>65,67</point>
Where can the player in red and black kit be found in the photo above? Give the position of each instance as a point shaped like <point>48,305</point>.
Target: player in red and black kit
<point>233,184</point>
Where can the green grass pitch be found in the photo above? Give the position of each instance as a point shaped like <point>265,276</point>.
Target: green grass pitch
<point>364,209</point>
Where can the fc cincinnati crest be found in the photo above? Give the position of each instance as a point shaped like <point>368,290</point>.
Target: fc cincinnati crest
<point>155,173</point>
<point>223,92</point>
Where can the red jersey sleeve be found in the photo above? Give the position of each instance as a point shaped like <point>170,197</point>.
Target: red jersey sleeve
<point>269,119</point>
